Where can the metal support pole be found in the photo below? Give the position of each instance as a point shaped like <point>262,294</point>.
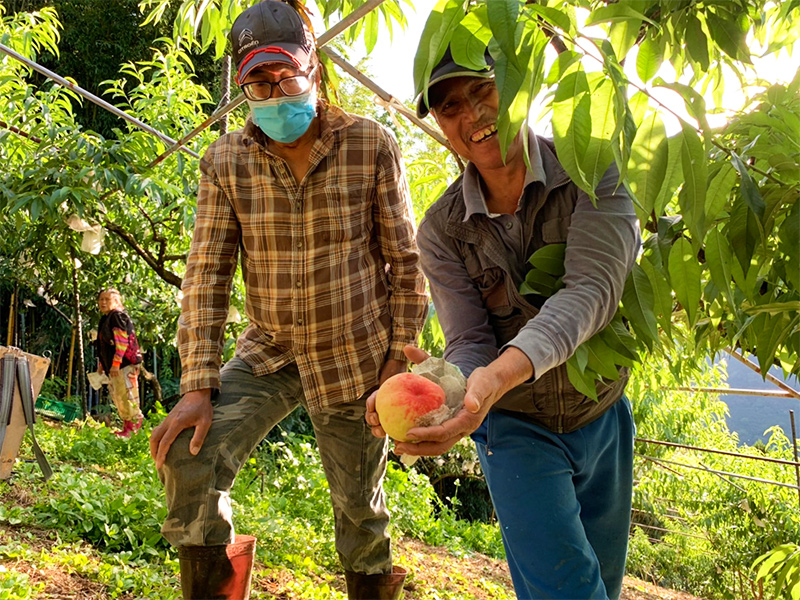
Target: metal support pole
<point>89,96</point>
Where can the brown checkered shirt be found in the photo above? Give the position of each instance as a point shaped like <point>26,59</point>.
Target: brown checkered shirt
<point>330,263</point>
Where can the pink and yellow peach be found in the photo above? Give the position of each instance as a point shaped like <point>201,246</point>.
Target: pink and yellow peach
<point>403,400</point>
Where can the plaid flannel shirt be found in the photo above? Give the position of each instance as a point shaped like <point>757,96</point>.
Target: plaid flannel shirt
<point>330,263</point>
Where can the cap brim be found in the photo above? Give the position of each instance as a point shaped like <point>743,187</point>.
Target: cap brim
<point>459,71</point>
<point>294,56</point>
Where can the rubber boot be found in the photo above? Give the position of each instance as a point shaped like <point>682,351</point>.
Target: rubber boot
<point>217,572</point>
<point>375,587</point>
<point>127,428</point>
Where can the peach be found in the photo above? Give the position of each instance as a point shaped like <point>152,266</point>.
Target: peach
<point>404,400</point>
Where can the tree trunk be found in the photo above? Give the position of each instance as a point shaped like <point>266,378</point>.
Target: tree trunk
<point>153,381</point>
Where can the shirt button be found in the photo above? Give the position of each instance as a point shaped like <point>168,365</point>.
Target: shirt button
<point>509,225</point>
<point>299,321</point>
<point>298,283</point>
<point>299,244</point>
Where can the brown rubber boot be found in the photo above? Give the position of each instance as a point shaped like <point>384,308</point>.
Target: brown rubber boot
<point>375,587</point>
<point>217,572</point>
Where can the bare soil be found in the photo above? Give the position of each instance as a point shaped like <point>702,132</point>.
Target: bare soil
<point>429,568</point>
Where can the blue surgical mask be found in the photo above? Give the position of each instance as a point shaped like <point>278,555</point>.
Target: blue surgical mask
<point>287,118</point>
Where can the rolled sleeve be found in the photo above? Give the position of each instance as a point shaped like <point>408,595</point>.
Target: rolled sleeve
<point>602,245</point>
<point>207,284</point>
<point>396,230</point>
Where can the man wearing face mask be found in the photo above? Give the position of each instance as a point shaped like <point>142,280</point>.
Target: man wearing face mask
<point>316,202</point>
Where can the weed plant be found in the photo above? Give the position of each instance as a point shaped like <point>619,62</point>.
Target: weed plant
<point>100,514</point>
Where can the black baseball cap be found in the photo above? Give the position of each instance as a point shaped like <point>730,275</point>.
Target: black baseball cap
<point>447,68</point>
<point>271,31</point>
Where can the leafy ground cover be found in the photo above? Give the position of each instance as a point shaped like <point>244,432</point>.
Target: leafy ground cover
<point>91,532</point>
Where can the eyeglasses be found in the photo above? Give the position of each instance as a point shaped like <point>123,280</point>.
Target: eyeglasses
<point>290,86</point>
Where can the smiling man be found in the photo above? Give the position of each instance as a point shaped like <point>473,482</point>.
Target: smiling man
<point>314,203</point>
<point>558,464</point>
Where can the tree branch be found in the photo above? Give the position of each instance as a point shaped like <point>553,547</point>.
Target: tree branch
<point>156,265</point>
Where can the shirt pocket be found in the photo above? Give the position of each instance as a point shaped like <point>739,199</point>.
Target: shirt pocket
<point>348,214</point>
<point>554,231</point>
<point>491,283</point>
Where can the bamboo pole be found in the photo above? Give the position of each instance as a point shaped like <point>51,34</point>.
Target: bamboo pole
<point>69,362</point>
<point>767,376</point>
<point>11,319</point>
<point>794,446</point>
<point>79,335</point>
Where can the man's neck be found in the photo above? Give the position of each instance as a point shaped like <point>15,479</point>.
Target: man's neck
<point>503,186</point>
<point>297,154</point>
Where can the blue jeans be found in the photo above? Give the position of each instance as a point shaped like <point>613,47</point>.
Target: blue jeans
<point>563,502</point>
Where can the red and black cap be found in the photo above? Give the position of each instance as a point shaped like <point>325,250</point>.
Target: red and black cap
<point>271,31</point>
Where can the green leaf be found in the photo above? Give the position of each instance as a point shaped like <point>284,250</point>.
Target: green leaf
<point>614,13</point>
<point>718,258</point>
<point>601,358</point>
<point>662,293</point>
<point>719,191</point>
<point>649,59</point>
<point>730,35</point>
<point>370,30</point>
<point>539,282</point>
<point>696,41</point>
<point>581,357</point>
<point>617,337</point>
<point>623,35</point>
<point>470,39</point>
<point>531,54</point>
<point>599,154</point>
<point>503,23</point>
<point>561,65</point>
<point>684,274</point>
<point>572,124</point>
<point>550,259</point>
<point>743,233</point>
<point>648,164</point>
<point>552,16</point>
<point>748,188</point>
<point>673,175</point>
<point>637,305</point>
<point>693,195</point>
<point>436,34</point>
<point>771,331</point>
<point>582,381</point>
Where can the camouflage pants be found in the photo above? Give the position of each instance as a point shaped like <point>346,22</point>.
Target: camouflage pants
<point>247,407</point>
<point>124,392</point>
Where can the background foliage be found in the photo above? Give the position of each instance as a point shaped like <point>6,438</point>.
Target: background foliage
<point>718,207</point>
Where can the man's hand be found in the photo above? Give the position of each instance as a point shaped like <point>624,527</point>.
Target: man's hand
<point>114,371</point>
<point>193,410</point>
<point>485,387</point>
<point>413,354</point>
